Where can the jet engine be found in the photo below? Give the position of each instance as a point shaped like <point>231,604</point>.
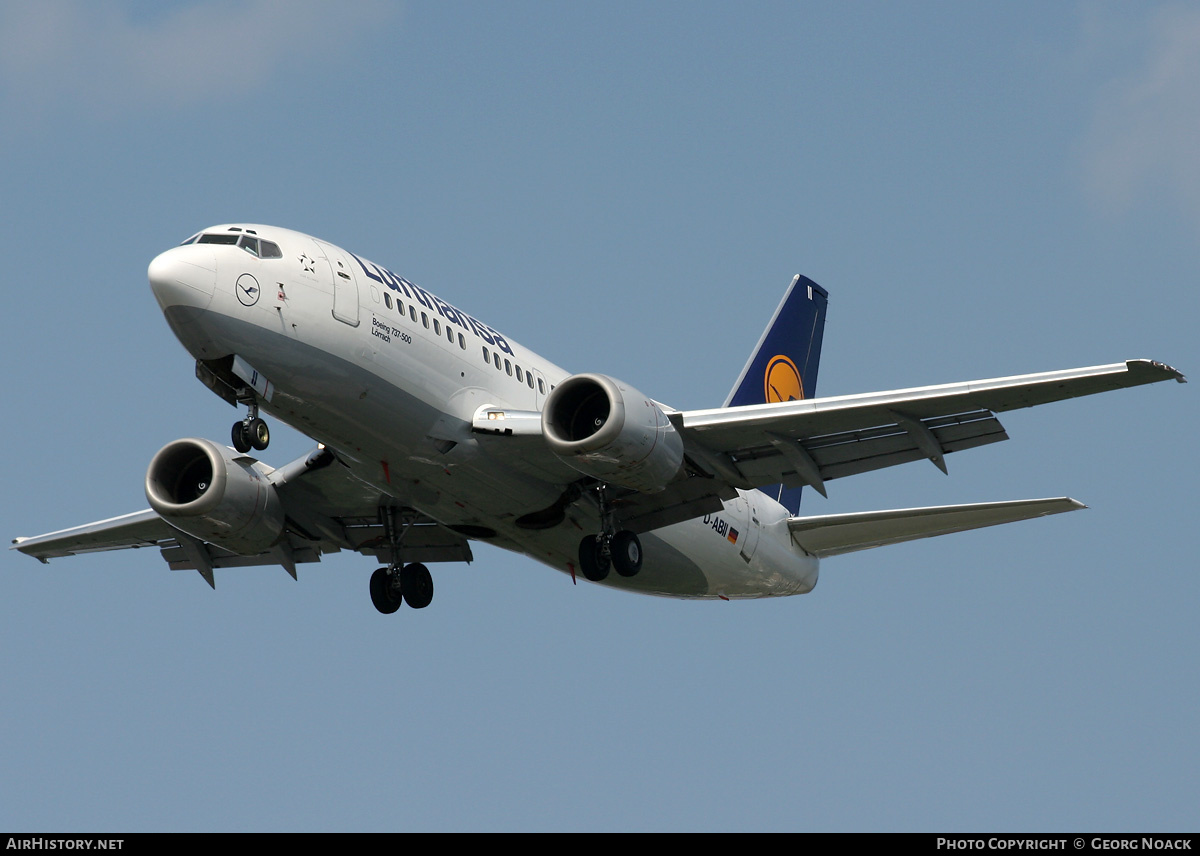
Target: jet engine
<point>213,494</point>
<point>610,431</point>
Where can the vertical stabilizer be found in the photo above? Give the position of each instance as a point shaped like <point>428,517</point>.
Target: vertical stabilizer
<point>783,365</point>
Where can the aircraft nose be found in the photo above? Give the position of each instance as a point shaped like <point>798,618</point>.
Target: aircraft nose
<point>184,276</point>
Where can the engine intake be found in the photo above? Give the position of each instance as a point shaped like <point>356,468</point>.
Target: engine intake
<point>206,491</point>
<point>610,431</point>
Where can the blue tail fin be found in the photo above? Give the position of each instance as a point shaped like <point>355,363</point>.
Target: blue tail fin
<point>783,366</point>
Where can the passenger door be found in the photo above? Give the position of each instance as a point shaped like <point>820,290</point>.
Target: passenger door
<point>345,286</point>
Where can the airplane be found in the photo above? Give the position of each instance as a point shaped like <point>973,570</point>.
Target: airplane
<point>434,430</point>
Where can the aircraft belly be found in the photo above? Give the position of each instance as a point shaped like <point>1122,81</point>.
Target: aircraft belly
<point>683,561</point>
<point>775,570</point>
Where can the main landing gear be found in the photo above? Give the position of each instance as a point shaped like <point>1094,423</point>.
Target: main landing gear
<point>623,552</point>
<point>610,549</point>
<point>252,432</point>
<point>397,584</point>
<point>392,586</point>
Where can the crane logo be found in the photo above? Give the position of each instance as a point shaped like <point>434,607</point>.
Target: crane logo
<point>781,381</point>
<point>247,289</point>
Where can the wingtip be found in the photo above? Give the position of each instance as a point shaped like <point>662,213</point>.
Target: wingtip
<point>1155,365</point>
<point>21,539</point>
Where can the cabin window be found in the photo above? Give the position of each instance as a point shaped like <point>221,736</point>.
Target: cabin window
<point>387,300</point>
<point>541,387</point>
<point>496,359</point>
<point>425,320</point>
<point>508,367</point>
<point>487,357</point>
<point>437,327</point>
<point>412,312</point>
<point>449,334</point>
<point>462,343</point>
<point>529,379</point>
<point>520,377</point>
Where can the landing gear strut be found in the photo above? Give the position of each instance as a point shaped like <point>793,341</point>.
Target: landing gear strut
<point>252,432</point>
<point>396,584</point>
<point>611,548</point>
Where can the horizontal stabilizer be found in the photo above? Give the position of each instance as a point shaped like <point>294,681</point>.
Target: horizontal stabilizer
<point>834,534</point>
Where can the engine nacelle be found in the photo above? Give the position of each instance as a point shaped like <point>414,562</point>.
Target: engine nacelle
<point>608,430</point>
<point>204,490</point>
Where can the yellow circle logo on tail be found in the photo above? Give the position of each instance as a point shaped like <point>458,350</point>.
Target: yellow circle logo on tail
<point>782,380</point>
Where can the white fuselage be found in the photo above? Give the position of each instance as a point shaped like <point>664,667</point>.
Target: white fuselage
<point>389,376</point>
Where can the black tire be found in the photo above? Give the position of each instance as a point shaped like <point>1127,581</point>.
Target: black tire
<point>259,433</point>
<point>240,437</point>
<point>592,561</point>
<point>417,584</point>
<point>626,553</point>
<point>386,599</point>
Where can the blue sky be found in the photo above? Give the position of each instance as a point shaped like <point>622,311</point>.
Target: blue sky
<point>627,188</point>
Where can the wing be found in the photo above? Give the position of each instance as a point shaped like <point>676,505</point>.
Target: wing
<point>813,441</point>
<point>327,510</point>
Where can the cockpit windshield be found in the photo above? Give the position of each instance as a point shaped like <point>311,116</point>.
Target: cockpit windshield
<point>255,246</point>
<point>262,249</point>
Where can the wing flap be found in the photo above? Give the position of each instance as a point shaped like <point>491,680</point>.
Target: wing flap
<point>180,558</point>
<point>693,497</point>
<point>853,452</point>
<point>834,534</point>
<point>859,452</point>
<point>422,540</point>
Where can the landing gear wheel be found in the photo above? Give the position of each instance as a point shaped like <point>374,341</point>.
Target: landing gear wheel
<point>626,552</point>
<point>384,595</point>
<point>417,585</point>
<point>259,433</point>
<point>240,437</point>
<point>592,560</point>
